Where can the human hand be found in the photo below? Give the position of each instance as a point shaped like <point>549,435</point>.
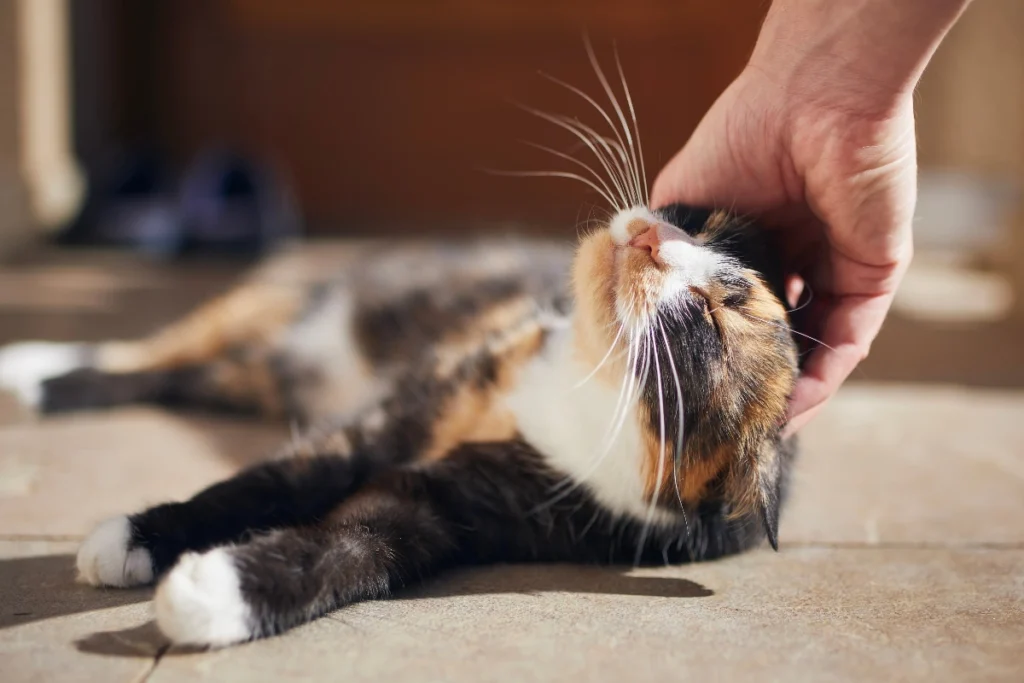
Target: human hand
<point>819,143</point>
<point>842,191</point>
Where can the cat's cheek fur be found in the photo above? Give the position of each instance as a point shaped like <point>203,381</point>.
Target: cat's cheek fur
<point>106,557</point>
<point>200,601</point>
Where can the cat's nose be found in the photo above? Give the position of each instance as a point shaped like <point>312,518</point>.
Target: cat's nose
<point>647,239</point>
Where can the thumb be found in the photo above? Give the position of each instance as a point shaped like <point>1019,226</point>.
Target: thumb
<point>693,175</point>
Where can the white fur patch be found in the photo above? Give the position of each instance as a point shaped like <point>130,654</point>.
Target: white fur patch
<point>26,365</point>
<point>570,427</point>
<point>104,558</point>
<point>200,601</point>
<point>326,341</point>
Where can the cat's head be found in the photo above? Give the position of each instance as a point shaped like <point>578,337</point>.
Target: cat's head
<point>689,306</point>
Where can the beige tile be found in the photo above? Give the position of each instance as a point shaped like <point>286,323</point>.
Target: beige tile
<point>59,476</point>
<point>52,629</point>
<point>900,464</point>
<point>802,615</point>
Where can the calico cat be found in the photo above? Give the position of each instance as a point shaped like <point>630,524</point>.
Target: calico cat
<point>469,404</point>
<point>619,402</point>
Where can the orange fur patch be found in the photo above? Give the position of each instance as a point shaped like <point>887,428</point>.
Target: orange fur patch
<point>474,413</point>
<point>595,323</point>
<point>252,313</point>
<point>692,475</point>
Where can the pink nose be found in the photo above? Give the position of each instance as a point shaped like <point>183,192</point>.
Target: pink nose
<point>647,239</point>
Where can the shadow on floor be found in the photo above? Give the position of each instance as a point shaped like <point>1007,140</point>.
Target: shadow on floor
<point>44,587</point>
<point>536,579</point>
<point>146,640</point>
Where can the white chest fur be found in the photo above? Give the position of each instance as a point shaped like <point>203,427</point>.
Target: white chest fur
<point>572,427</point>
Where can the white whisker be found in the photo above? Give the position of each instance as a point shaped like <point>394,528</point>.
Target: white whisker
<point>571,126</point>
<point>615,104</point>
<point>577,91</point>
<point>569,157</point>
<point>555,174</point>
<point>678,455</point>
<point>786,328</point>
<point>608,355</point>
<point>569,484</point>
<point>636,128</point>
<point>655,497</point>
<point>616,154</point>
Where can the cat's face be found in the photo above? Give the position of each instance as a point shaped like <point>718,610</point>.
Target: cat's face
<point>690,305</point>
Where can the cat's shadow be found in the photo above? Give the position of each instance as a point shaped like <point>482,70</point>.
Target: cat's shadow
<point>535,579</point>
<point>146,640</point>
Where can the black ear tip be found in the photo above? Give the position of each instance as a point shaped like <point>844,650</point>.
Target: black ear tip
<point>770,519</point>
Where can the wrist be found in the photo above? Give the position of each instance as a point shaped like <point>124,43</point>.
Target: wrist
<point>861,57</point>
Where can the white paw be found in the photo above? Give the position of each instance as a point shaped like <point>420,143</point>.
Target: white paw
<point>26,365</point>
<point>200,601</point>
<point>104,558</point>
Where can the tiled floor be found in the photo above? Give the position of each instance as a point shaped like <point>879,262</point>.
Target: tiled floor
<point>902,552</point>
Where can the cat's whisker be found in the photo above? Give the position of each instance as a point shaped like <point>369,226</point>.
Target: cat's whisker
<point>611,348</point>
<point>678,455</point>
<point>568,484</point>
<point>570,158</point>
<point>554,174</point>
<point>656,495</point>
<point>590,100</point>
<point>626,397</point>
<point>636,129</point>
<point>617,152</point>
<point>786,328</point>
<point>615,104</point>
<point>569,125</point>
<point>632,381</point>
<point>636,385</point>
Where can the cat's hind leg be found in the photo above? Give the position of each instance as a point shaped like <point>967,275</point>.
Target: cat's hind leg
<point>135,549</point>
<point>289,576</point>
<point>307,480</point>
<point>404,525</point>
<point>247,380</point>
<point>219,338</point>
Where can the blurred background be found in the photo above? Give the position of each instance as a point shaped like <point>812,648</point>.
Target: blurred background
<point>226,126</point>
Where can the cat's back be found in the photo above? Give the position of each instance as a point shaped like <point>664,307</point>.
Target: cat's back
<point>406,299</point>
<point>385,310</point>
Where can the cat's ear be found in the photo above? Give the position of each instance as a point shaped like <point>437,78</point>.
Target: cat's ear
<point>769,490</point>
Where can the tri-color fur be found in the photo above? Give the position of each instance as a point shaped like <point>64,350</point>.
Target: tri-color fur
<point>487,403</point>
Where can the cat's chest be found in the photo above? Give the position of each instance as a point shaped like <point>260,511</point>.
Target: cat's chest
<point>585,432</point>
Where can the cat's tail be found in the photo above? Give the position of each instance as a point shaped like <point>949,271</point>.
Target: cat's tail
<point>241,324</point>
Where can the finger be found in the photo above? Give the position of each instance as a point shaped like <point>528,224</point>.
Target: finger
<point>848,331</point>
